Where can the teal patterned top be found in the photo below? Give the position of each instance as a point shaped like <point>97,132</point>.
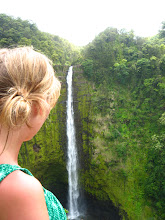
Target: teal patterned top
<point>55,209</point>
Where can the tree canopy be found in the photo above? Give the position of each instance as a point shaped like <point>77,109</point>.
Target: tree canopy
<point>16,32</point>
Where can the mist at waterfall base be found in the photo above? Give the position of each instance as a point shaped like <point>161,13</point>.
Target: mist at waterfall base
<point>80,207</point>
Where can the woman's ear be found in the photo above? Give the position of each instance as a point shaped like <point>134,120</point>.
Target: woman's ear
<point>41,110</point>
<point>36,110</point>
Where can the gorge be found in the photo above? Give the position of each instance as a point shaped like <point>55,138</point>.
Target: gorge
<point>102,172</point>
<point>48,157</point>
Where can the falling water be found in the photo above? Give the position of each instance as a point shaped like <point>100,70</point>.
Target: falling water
<point>73,192</point>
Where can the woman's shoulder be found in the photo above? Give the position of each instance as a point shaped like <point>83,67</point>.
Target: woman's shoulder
<point>21,193</point>
<point>18,182</point>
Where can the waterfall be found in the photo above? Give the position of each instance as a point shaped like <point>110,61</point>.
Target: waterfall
<point>72,163</point>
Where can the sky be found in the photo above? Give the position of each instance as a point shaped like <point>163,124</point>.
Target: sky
<point>80,21</point>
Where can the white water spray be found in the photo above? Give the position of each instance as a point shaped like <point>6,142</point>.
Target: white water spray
<point>73,193</point>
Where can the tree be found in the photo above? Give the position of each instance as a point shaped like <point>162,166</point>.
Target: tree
<point>87,67</point>
<point>162,31</point>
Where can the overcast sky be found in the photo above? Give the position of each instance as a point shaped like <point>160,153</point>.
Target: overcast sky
<point>79,21</point>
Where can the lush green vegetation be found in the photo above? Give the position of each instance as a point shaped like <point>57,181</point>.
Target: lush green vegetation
<point>119,94</point>
<point>128,140</point>
<point>16,32</point>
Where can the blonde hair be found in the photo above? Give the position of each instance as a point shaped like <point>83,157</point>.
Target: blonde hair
<point>26,76</point>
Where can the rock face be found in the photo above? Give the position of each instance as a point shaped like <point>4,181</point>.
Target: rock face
<point>83,112</point>
<point>45,155</point>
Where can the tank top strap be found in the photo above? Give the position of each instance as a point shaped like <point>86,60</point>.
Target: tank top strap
<point>6,169</point>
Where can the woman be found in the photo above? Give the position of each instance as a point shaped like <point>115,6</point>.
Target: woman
<point>28,91</point>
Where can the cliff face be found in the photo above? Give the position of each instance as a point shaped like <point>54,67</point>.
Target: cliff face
<point>82,112</point>
<point>45,155</point>
<point>112,156</point>
<point>98,207</point>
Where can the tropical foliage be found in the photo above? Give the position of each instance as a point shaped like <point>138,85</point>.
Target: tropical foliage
<point>16,32</point>
<point>128,141</point>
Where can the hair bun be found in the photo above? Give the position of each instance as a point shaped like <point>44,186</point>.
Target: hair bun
<point>18,92</point>
<point>16,109</point>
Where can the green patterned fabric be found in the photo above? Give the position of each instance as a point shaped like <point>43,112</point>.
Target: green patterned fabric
<point>55,209</point>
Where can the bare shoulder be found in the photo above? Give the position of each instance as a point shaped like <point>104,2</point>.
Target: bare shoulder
<point>19,183</point>
<point>23,195</point>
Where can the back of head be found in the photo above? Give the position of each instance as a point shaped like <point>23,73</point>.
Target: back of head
<point>26,76</point>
